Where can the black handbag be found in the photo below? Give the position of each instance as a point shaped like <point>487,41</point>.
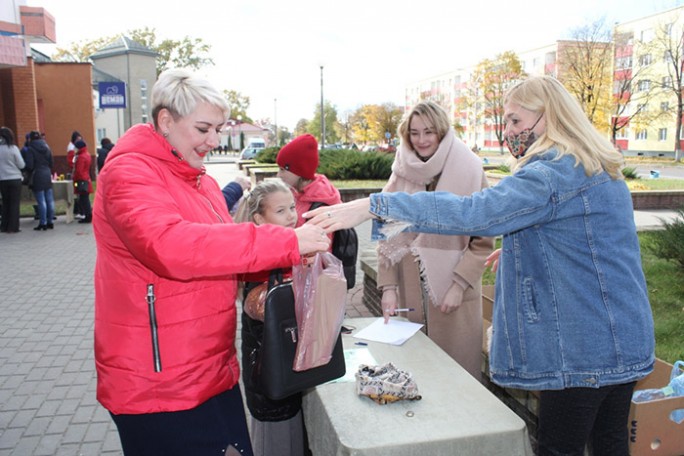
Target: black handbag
<point>273,369</point>
<point>82,186</point>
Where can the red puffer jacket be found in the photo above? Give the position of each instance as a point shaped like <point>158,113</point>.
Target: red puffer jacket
<point>159,222</point>
<point>82,168</point>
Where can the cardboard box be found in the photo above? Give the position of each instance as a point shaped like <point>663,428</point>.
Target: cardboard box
<point>651,431</point>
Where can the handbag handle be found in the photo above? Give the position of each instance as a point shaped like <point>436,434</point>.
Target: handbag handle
<point>275,278</point>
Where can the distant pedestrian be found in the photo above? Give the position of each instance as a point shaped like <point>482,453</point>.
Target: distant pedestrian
<point>11,164</point>
<point>70,157</point>
<point>83,184</point>
<point>102,152</point>
<point>39,162</point>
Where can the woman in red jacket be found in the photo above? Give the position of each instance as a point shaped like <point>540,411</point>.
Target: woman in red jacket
<point>83,184</point>
<point>168,256</point>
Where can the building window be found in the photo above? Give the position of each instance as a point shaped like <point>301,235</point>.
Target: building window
<point>667,81</point>
<point>647,35</point>
<point>665,106</point>
<point>644,85</point>
<point>662,134</point>
<point>622,133</point>
<point>642,134</point>
<point>645,60</point>
<point>642,108</point>
<point>667,57</point>
<point>622,63</point>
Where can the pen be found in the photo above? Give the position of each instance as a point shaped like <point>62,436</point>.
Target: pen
<point>408,309</point>
<point>361,343</point>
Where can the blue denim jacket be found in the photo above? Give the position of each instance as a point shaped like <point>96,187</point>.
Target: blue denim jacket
<point>571,306</point>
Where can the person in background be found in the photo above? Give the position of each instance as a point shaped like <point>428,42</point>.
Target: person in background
<point>277,427</point>
<point>168,258</point>
<point>106,146</point>
<point>444,273</point>
<point>571,314</point>
<point>233,191</point>
<point>71,150</point>
<point>11,164</point>
<point>82,183</point>
<point>297,162</point>
<point>39,163</point>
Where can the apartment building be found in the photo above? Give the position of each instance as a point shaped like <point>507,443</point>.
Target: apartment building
<point>647,52</point>
<point>632,91</point>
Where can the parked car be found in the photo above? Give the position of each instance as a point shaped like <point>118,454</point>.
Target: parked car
<point>248,153</point>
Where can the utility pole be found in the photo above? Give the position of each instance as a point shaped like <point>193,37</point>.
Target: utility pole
<point>275,119</point>
<point>322,114</point>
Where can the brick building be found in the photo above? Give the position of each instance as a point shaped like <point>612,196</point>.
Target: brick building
<point>36,94</point>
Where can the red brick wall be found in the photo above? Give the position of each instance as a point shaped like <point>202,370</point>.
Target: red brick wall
<point>19,100</point>
<point>64,94</point>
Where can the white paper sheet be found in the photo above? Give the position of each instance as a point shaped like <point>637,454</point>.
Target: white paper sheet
<point>395,332</point>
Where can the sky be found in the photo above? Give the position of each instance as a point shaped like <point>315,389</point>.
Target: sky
<point>272,50</point>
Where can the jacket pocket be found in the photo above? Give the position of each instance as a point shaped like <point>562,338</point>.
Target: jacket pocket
<point>529,301</point>
<point>156,357</point>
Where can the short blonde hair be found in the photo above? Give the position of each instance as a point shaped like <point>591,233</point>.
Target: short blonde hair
<point>432,114</point>
<point>254,202</point>
<point>567,126</point>
<point>180,92</point>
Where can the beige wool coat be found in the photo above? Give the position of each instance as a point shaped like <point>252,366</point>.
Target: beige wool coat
<point>458,333</point>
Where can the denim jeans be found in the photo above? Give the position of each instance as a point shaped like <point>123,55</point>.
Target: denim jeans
<point>46,205</point>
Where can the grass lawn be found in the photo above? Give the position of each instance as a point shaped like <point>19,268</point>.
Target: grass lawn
<point>665,281</point>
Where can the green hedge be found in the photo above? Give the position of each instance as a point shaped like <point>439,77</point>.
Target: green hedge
<point>344,163</point>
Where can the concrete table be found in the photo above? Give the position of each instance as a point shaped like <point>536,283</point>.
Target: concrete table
<point>456,415</point>
<point>64,190</point>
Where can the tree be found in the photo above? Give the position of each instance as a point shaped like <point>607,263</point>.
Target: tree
<point>669,41</point>
<point>363,125</point>
<point>314,125</point>
<point>585,69</point>
<point>494,77</point>
<point>185,53</point>
<point>301,127</point>
<point>238,104</point>
<point>387,118</point>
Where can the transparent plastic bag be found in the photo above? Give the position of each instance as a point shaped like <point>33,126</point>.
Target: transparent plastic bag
<point>320,292</point>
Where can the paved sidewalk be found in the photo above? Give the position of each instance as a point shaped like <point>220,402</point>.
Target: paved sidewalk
<point>47,375</point>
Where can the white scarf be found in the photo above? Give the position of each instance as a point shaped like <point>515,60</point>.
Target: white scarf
<point>460,172</point>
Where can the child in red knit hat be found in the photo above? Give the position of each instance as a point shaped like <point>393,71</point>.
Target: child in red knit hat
<point>298,161</point>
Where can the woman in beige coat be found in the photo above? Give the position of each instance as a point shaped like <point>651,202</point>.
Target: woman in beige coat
<point>438,276</point>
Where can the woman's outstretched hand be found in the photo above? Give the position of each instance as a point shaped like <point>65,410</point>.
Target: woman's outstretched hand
<point>311,239</point>
<point>340,216</point>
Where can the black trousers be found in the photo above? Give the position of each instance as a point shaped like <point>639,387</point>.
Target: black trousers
<point>84,205</point>
<point>207,430</point>
<point>572,418</point>
<point>11,196</point>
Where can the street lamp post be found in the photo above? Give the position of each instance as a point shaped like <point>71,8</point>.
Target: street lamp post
<point>239,118</point>
<point>322,114</point>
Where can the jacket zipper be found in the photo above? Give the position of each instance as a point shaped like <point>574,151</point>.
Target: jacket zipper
<point>156,358</point>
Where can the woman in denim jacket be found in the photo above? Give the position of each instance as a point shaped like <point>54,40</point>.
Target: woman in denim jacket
<point>571,317</point>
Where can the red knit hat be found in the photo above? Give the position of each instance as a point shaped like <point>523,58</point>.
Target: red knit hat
<point>300,156</point>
